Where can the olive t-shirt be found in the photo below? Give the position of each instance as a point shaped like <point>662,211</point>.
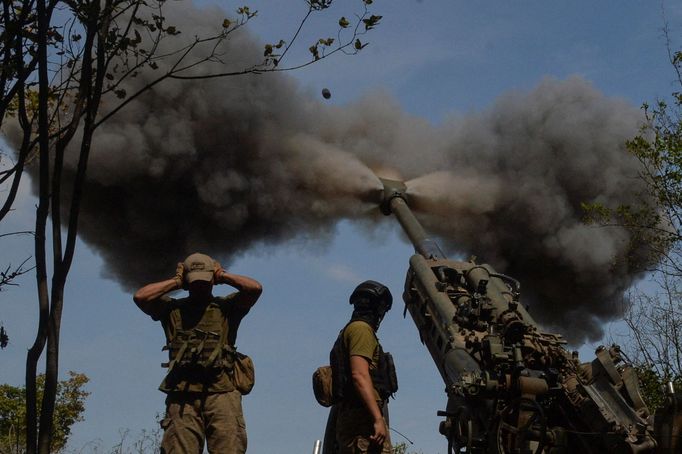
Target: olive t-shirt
<point>360,340</point>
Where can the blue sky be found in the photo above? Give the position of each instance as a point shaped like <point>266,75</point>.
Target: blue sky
<point>438,59</point>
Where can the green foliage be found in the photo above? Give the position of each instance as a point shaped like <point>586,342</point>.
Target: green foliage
<point>659,148</point>
<point>653,341</point>
<point>656,219</point>
<point>317,49</point>
<point>401,448</point>
<point>246,12</point>
<point>12,414</point>
<point>70,405</point>
<point>652,387</point>
<point>270,53</point>
<point>371,21</point>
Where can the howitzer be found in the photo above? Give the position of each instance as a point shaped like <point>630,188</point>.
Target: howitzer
<point>511,387</point>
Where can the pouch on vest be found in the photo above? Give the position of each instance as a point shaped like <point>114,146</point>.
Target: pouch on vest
<point>340,370</point>
<point>384,377</point>
<point>322,386</point>
<point>196,348</point>
<point>243,373</point>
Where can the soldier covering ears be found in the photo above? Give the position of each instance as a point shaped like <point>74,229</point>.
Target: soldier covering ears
<point>203,401</point>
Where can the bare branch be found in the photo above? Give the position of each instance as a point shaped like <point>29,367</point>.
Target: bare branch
<point>10,273</point>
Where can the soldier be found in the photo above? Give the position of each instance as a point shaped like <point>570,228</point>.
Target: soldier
<point>202,402</point>
<point>363,376</point>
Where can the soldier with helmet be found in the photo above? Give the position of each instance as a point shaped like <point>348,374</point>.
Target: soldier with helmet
<point>203,401</point>
<point>363,377</point>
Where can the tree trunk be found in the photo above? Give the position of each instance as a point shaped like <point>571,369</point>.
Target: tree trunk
<point>36,350</point>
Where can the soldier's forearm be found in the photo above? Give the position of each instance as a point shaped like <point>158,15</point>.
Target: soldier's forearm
<point>154,291</point>
<point>366,392</point>
<point>364,386</point>
<point>241,283</point>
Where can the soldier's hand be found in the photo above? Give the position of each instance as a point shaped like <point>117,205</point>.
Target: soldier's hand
<point>180,275</point>
<point>380,432</point>
<point>217,269</point>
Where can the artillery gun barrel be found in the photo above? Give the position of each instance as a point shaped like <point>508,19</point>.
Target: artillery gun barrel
<point>396,201</point>
<point>423,245</point>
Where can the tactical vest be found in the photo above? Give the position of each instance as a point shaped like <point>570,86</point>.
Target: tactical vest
<point>384,377</point>
<point>198,353</point>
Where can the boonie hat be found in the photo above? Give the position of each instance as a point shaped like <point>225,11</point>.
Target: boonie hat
<point>198,267</point>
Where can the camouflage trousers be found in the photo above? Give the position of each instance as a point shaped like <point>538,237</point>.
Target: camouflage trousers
<point>354,426</point>
<point>193,418</point>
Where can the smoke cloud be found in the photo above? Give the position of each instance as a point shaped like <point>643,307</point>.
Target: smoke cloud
<point>228,165</point>
<point>512,192</point>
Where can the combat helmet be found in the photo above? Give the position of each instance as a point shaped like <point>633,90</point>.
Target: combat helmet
<point>371,297</point>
